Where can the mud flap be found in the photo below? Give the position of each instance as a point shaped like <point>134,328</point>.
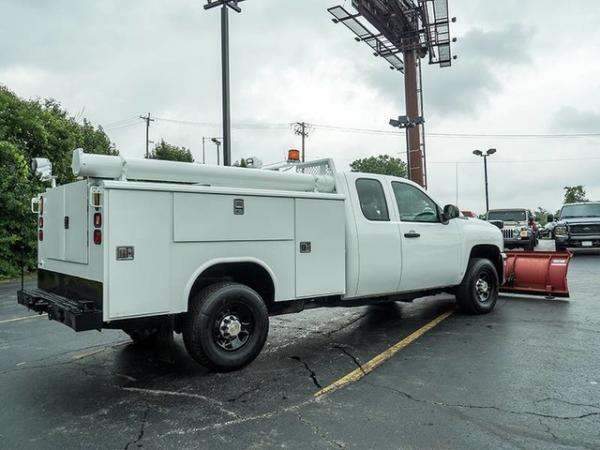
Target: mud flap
<point>536,273</point>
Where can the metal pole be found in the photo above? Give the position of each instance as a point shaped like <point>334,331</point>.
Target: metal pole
<point>203,150</point>
<point>147,136</point>
<point>218,154</point>
<point>487,199</point>
<point>225,88</point>
<point>415,159</point>
<point>303,138</point>
<point>456,178</point>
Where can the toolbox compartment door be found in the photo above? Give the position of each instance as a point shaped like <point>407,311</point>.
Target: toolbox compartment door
<point>320,247</point>
<point>66,223</point>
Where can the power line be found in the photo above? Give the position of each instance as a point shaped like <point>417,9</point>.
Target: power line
<point>373,131</point>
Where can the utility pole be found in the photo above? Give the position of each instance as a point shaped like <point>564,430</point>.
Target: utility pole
<point>147,119</point>
<point>302,129</point>
<point>225,5</point>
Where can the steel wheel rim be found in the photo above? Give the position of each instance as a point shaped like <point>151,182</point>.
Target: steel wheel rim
<point>483,287</point>
<point>233,326</point>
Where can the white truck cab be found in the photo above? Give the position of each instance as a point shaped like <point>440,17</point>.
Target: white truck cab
<point>213,251</point>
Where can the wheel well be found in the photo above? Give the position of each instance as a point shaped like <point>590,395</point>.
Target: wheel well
<point>492,253</point>
<point>249,273</point>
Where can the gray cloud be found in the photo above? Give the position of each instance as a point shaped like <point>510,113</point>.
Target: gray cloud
<point>572,119</point>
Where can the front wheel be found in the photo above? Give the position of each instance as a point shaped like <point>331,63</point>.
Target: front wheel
<point>478,292</point>
<point>226,326</point>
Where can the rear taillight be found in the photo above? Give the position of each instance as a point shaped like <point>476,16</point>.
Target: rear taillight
<point>41,206</point>
<point>41,235</point>
<point>41,222</point>
<point>97,220</point>
<point>97,237</point>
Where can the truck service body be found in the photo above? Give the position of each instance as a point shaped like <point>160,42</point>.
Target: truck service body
<point>139,243</point>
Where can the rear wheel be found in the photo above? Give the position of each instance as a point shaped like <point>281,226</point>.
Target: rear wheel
<point>226,326</point>
<point>478,292</point>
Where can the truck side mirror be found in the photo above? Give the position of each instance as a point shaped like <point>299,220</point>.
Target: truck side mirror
<point>550,218</point>
<point>450,212</point>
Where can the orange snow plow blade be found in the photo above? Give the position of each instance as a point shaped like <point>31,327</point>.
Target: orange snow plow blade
<point>536,273</point>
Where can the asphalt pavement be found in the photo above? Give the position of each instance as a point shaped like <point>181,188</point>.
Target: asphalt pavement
<point>525,376</point>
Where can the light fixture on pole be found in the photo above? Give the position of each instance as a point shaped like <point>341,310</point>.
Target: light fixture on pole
<point>404,122</point>
<point>485,155</point>
<point>218,144</point>
<point>225,5</point>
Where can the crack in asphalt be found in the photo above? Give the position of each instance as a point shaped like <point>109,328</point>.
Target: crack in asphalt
<point>312,374</point>
<point>468,406</point>
<point>317,431</point>
<point>548,429</point>
<point>143,424</point>
<point>237,397</point>
<point>354,359</point>
<point>556,399</point>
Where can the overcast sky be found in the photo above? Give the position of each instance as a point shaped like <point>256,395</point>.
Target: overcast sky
<point>522,67</point>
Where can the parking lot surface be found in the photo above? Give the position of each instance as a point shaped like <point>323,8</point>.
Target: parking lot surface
<point>525,376</point>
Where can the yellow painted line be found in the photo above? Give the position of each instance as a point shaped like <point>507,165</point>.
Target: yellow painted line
<point>23,318</point>
<point>369,366</point>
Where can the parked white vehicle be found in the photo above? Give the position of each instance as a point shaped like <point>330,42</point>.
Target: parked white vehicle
<point>213,251</point>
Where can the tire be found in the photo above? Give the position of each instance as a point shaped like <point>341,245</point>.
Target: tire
<point>560,248</point>
<point>478,292</point>
<point>215,314</point>
<point>142,335</point>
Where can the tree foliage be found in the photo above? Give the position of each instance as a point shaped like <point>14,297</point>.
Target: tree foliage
<point>541,215</point>
<point>170,152</point>
<point>28,129</point>
<point>574,194</point>
<point>382,164</point>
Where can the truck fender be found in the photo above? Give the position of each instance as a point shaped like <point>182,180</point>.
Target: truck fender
<point>213,262</point>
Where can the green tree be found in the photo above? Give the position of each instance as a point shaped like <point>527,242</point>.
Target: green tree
<point>541,215</point>
<point>170,152</point>
<point>382,164</point>
<point>574,194</point>
<point>28,129</point>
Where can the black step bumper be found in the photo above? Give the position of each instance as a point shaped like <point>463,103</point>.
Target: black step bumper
<point>81,315</point>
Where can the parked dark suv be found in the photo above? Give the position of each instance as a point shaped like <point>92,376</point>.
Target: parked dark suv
<point>518,227</point>
<point>578,226</point>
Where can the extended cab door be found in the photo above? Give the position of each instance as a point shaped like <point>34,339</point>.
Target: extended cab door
<point>430,249</point>
<point>379,252</point>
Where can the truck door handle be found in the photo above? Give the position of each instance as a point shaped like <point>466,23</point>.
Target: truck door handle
<point>411,234</point>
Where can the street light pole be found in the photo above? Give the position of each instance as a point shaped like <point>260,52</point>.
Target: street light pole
<point>485,155</point>
<point>218,144</point>
<point>225,82</point>
<point>225,5</point>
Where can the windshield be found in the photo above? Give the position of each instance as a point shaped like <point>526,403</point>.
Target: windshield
<point>587,210</point>
<point>516,215</point>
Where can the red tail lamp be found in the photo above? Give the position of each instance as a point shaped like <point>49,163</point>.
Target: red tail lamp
<point>97,220</point>
<point>97,237</point>
<point>40,235</point>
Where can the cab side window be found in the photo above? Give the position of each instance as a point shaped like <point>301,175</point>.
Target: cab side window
<point>414,205</point>
<point>372,199</point>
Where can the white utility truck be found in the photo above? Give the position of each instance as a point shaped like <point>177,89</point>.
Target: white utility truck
<point>214,251</point>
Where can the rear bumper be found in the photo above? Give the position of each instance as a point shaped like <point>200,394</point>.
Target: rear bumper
<point>81,315</point>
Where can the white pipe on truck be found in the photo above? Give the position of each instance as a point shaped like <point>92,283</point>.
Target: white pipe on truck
<point>120,167</point>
